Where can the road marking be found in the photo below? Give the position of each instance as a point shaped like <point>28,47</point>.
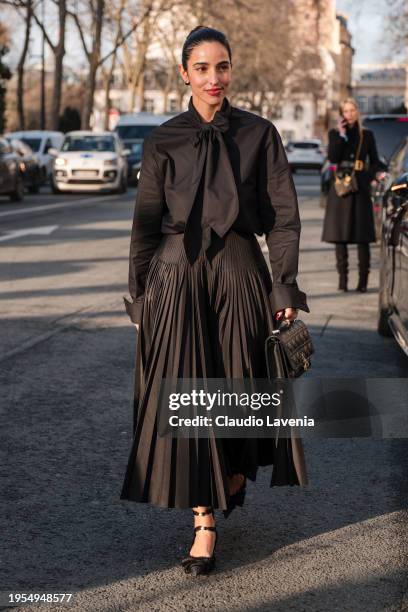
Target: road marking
<point>59,205</point>
<point>39,231</point>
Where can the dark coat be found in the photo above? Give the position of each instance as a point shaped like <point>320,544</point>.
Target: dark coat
<point>230,173</point>
<point>350,219</point>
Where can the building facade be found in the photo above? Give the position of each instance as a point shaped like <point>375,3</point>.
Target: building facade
<point>380,88</point>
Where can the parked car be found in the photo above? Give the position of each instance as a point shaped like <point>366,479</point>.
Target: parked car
<point>389,131</point>
<point>29,166</point>
<point>11,178</point>
<point>90,161</point>
<point>132,130</point>
<point>41,141</point>
<point>393,294</point>
<point>305,154</point>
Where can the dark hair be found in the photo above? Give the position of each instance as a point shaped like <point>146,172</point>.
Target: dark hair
<point>202,34</point>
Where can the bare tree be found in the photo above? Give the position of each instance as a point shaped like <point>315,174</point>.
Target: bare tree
<point>25,9</point>
<point>114,16</point>
<point>58,50</point>
<point>88,18</point>
<point>396,30</point>
<point>21,63</point>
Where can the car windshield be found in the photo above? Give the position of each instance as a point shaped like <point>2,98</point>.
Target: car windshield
<point>135,148</point>
<point>134,132</point>
<point>33,143</point>
<point>88,143</point>
<point>303,145</point>
<point>388,133</point>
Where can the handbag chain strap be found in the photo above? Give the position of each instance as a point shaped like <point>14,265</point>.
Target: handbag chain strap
<point>356,160</point>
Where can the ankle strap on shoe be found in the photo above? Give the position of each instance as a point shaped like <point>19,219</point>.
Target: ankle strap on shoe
<point>204,527</point>
<point>210,511</point>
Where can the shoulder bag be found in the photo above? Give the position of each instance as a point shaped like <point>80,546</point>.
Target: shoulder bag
<point>347,183</point>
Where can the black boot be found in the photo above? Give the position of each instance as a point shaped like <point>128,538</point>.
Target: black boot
<point>362,282</point>
<point>343,281</point>
<point>342,265</point>
<point>363,266</point>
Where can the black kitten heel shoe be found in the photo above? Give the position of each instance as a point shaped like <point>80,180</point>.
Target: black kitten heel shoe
<point>200,565</point>
<point>237,499</point>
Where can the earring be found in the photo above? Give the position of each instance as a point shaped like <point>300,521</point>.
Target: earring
<point>186,82</point>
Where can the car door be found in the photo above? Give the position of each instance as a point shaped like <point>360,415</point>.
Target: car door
<point>400,285</point>
<point>48,159</point>
<point>6,169</point>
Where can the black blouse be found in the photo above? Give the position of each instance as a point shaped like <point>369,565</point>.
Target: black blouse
<point>229,173</point>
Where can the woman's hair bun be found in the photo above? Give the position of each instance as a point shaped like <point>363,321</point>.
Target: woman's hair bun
<point>199,27</point>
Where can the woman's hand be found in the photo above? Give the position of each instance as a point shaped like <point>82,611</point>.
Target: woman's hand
<point>136,325</point>
<point>341,126</point>
<point>289,314</point>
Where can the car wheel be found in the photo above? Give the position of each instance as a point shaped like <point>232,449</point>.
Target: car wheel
<point>54,188</point>
<point>18,194</point>
<point>383,303</point>
<point>123,184</point>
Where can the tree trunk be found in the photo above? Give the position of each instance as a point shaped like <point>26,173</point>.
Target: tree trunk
<point>108,83</point>
<point>59,52</point>
<point>94,63</point>
<point>21,65</point>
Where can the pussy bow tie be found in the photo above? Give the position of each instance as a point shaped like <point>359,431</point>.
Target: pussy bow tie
<point>215,203</point>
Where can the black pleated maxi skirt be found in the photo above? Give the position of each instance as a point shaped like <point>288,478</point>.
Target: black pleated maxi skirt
<point>206,320</point>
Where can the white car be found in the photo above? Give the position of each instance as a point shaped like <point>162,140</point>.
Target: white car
<point>41,142</point>
<point>90,161</point>
<point>305,154</point>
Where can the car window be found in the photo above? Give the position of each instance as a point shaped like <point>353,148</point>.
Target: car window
<point>33,143</point>
<point>134,132</point>
<point>303,145</point>
<point>88,143</point>
<point>396,162</point>
<point>4,147</point>
<point>388,133</point>
<point>48,145</point>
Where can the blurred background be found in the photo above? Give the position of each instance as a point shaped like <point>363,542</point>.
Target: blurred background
<point>70,64</point>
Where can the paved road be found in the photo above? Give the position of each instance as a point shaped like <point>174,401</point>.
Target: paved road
<point>66,361</point>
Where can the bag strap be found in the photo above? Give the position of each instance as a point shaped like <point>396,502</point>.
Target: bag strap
<point>356,155</point>
<point>358,151</point>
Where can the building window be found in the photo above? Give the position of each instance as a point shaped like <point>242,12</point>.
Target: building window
<point>172,105</point>
<point>376,104</point>
<point>389,103</point>
<point>277,113</point>
<point>298,112</point>
<point>149,105</point>
<point>362,102</point>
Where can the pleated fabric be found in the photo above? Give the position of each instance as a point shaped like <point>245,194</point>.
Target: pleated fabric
<point>206,320</point>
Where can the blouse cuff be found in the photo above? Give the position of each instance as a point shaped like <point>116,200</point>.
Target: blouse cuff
<point>134,309</point>
<point>287,296</point>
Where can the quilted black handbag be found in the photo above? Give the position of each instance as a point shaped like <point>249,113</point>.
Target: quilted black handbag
<point>288,350</point>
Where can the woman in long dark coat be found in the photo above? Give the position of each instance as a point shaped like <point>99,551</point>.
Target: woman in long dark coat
<point>211,178</point>
<point>350,219</point>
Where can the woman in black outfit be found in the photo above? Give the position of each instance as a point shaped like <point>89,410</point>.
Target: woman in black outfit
<point>212,177</point>
<point>349,219</point>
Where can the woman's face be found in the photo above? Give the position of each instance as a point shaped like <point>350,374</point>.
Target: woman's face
<point>350,113</point>
<point>209,72</point>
